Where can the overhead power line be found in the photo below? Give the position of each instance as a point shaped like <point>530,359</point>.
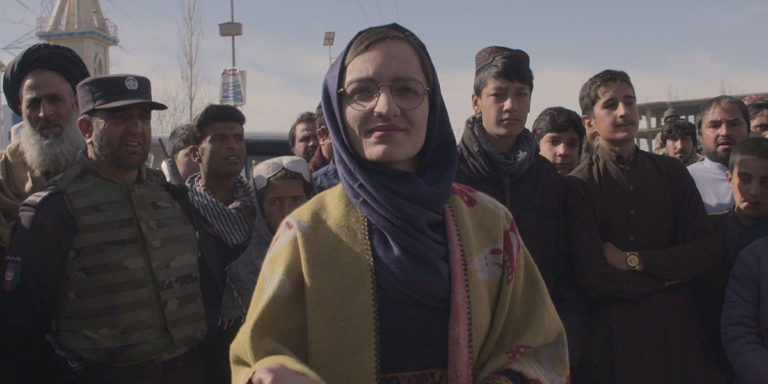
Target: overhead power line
<point>397,13</point>
<point>367,22</point>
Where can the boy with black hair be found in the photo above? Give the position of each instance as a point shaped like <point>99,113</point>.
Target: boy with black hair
<point>179,164</point>
<point>747,177</point>
<point>282,185</point>
<point>737,227</point>
<point>499,156</point>
<point>637,233</point>
<point>744,306</point>
<point>560,134</point>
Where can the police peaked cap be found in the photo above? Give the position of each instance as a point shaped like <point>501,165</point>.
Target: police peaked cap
<point>113,91</point>
<point>56,58</point>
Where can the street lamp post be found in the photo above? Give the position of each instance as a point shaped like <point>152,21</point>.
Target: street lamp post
<point>232,90</point>
<point>328,41</point>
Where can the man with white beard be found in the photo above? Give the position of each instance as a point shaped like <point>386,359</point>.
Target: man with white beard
<point>39,85</point>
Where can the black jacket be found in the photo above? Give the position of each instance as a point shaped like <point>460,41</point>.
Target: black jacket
<point>534,197</point>
<point>536,200</point>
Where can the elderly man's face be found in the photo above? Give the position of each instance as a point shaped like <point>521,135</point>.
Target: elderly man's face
<point>47,102</point>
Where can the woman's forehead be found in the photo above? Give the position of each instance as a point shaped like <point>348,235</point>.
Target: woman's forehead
<point>386,60</point>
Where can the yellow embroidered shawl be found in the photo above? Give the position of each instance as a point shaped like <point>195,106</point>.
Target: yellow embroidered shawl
<point>314,309</point>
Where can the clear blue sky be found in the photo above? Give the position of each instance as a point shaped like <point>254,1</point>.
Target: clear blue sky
<point>671,49</point>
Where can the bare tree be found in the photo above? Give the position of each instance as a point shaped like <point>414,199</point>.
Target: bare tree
<point>181,94</point>
<point>165,121</point>
<point>190,34</point>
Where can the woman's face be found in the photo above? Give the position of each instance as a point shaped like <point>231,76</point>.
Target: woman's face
<point>384,133</point>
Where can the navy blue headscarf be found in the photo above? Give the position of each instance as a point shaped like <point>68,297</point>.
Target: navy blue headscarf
<point>404,209</point>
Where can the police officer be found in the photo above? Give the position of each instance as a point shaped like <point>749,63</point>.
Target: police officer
<point>103,264</point>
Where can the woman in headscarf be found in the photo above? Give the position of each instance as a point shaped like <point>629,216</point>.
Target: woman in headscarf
<point>397,274</point>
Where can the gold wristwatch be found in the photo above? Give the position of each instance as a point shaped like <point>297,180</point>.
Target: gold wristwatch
<point>633,261</point>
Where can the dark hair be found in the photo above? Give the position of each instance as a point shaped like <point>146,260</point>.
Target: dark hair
<point>216,113</point>
<point>372,36</point>
<point>306,117</point>
<point>588,96</point>
<point>284,174</point>
<point>751,147</point>
<point>756,107</point>
<point>558,120</point>
<point>678,129</point>
<point>181,137</point>
<point>717,101</point>
<point>319,118</point>
<point>514,68</point>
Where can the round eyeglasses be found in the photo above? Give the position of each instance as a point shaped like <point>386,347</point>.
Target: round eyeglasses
<point>364,94</point>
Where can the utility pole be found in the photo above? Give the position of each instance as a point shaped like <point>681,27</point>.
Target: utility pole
<point>231,29</point>
<point>233,79</point>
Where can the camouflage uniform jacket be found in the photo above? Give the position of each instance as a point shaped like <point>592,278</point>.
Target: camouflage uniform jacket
<point>41,242</point>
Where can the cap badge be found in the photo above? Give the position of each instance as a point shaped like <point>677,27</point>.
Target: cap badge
<point>131,83</point>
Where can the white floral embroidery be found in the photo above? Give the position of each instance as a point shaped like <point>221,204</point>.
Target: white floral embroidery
<point>488,263</point>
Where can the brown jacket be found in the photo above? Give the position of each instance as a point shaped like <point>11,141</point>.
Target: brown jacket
<point>17,182</point>
<point>642,327</point>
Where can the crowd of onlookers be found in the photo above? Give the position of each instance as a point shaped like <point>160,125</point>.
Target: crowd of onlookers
<point>382,250</point>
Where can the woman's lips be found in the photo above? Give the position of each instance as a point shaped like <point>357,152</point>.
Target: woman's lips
<point>385,130</point>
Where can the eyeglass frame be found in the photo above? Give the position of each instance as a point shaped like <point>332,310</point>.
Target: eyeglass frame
<point>352,104</point>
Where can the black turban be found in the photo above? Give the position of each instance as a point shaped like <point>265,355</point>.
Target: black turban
<point>56,58</point>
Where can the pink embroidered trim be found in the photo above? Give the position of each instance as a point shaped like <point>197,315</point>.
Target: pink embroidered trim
<point>460,323</point>
<point>464,193</point>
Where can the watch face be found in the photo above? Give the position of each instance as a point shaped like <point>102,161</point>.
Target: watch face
<point>633,260</point>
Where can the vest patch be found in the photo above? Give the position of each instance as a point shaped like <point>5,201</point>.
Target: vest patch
<point>12,272</point>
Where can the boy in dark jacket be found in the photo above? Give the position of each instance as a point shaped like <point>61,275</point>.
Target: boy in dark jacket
<point>745,314</point>
<point>500,157</point>
<point>742,323</point>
